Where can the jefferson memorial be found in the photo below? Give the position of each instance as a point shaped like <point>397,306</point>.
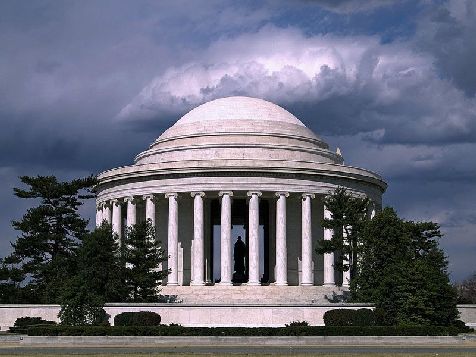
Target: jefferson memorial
<point>237,172</point>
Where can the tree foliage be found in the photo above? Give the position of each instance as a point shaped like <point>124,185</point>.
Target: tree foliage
<point>50,233</point>
<point>143,255</point>
<point>349,215</point>
<point>404,272</point>
<point>98,278</point>
<point>467,290</point>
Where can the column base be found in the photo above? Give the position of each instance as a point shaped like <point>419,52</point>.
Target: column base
<point>306,284</point>
<point>252,283</point>
<point>225,283</point>
<point>172,284</point>
<point>197,284</point>
<point>281,284</point>
<point>329,284</point>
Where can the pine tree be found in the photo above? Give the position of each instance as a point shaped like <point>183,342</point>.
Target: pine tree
<point>403,272</point>
<point>348,217</point>
<point>50,233</point>
<point>143,255</point>
<point>99,278</point>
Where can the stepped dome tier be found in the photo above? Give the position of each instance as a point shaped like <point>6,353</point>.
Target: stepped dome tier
<point>230,130</point>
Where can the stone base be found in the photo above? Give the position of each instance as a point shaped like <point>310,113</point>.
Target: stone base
<point>246,294</point>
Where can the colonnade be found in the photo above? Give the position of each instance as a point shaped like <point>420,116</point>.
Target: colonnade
<point>111,212</point>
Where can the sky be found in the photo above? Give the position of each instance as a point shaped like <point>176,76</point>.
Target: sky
<point>86,85</point>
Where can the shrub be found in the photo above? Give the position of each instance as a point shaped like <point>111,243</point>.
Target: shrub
<point>22,323</point>
<point>461,326</point>
<point>349,317</point>
<point>141,318</point>
<point>297,323</point>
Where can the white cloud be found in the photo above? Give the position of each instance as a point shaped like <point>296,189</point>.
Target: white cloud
<point>357,83</point>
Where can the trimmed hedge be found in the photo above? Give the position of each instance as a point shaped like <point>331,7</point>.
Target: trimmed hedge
<point>22,323</point>
<point>350,317</point>
<point>243,331</point>
<point>140,318</point>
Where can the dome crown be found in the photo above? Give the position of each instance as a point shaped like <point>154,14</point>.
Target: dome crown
<point>239,108</point>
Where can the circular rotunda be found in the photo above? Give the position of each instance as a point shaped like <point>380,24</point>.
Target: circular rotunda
<point>235,166</point>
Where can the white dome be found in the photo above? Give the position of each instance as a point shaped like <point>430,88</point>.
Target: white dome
<point>238,128</point>
<point>239,108</point>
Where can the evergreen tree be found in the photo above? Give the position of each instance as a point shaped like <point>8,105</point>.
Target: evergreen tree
<point>404,272</point>
<point>348,217</point>
<point>50,233</point>
<point>143,254</point>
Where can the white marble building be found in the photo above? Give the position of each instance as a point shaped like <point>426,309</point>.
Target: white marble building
<point>232,166</point>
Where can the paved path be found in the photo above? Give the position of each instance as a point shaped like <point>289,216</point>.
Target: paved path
<point>227,350</point>
<point>253,345</point>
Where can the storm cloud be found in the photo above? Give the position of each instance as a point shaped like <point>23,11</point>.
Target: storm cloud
<point>85,85</point>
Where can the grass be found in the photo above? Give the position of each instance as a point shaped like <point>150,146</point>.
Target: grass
<point>452,354</point>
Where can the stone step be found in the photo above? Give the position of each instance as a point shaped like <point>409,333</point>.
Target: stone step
<point>253,294</point>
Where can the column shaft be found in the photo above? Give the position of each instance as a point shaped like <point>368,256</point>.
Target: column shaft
<point>106,213</point>
<point>131,211</point>
<point>306,262</point>
<point>226,248</point>
<point>253,244</point>
<point>98,214</point>
<point>117,219</point>
<point>172,243</point>
<point>281,248</point>
<point>150,208</point>
<point>198,239</point>
<point>346,274</point>
<point>329,278</point>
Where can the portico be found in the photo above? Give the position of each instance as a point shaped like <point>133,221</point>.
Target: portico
<point>236,166</point>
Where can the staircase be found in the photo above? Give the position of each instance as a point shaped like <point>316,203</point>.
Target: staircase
<point>262,295</point>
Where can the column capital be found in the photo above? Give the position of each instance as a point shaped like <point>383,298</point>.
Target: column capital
<point>99,205</point>
<point>308,194</point>
<point>149,196</point>
<point>229,193</point>
<point>282,193</point>
<point>116,202</point>
<point>171,194</point>
<point>129,199</point>
<point>251,193</point>
<point>199,193</point>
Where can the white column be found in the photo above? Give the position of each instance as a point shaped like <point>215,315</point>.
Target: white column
<point>329,278</point>
<point>198,240</point>
<point>172,244</point>
<point>373,210</point>
<point>131,211</point>
<point>281,273</point>
<point>253,244</point>
<point>306,253</point>
<point>106,212</point>
<point>346,274</point>
<point>117,219</point>
<point>98,214</point>
<point>226,248</point>
<point>150,208</point>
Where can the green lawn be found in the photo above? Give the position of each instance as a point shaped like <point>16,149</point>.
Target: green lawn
<point>458,354</point>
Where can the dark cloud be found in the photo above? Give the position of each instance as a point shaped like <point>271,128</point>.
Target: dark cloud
<point>351,6</point>
<point>447,31</point>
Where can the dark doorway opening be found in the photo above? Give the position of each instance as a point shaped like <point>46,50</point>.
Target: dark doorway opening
<point>239,219</point>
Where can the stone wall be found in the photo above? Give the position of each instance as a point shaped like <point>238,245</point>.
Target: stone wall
<point>211,314</point>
